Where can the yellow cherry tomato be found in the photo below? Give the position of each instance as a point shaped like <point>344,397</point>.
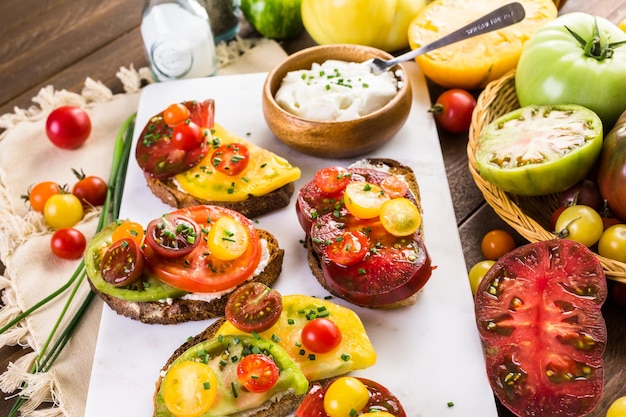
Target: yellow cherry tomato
<point>189,388</point>
<point>382,24</point>
<point>474,62</point>
<point>63,210</point>
<point>363,199</point>
<point>345,395</point>
<point>400,217</point>
<point>227,239</point>
<point>128,229</point>
<point>477,273</point>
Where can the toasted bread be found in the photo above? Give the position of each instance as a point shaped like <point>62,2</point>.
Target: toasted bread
<point>182,310</point>
<point>167,191</point>
<point>386,165</point>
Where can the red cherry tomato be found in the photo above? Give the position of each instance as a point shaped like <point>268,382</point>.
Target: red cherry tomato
<point>320,335</point>
<point>187,136</point>
<point>68,127</point>
<point>123,263</point>
<point>348,249</point>
<point>176,113</point>
<point>453,110</point>
<point>172,235</point>
<point>394,187</point>
<point>68,243</point>
<point>257,372</point>
<point>254,307</point>
<point>496,243</point>
<point>332,179</point>
<point>231,159</point>
<point>91,190</point>
<point>40,193</point>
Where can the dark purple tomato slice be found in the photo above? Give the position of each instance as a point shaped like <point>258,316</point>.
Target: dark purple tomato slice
<point>254,307</point>
<point>381,399</point>
<point>159,156</point>
<point>122,263</point>
<point>172,235</point>
<point>538,314</point>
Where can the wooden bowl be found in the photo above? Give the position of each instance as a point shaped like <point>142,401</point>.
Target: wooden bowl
<point>335,139</point>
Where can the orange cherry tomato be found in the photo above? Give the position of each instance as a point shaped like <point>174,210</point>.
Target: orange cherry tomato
<point>496,243</point>
<point>176,113</point>
<point>40,193</point>
<point>129,229</point>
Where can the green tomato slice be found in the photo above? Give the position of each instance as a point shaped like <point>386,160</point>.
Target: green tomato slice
<point>539,150</point>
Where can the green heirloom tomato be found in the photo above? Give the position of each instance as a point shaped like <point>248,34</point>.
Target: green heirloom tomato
<point>538,150</point>
<point>275,19</point>
<point>612,168</point>
<point>381,24</point>
<point>575,59</point>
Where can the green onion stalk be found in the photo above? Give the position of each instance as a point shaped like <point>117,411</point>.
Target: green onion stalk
<point>110,212</point>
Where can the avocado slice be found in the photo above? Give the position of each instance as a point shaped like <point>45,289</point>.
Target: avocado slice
<point>148,288</point>
<point>223,353</point>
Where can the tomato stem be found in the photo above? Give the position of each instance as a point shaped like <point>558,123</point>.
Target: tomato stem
<point>594,47</point>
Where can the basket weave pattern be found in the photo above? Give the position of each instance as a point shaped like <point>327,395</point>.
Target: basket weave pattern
<point>529,216</point>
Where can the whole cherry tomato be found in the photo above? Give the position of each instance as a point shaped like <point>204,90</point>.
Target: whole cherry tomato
<point>321,335</point>
<point>496,243</point>
<point>63,210</point>
<point>68,127</point>
<point>91,190</point>
<point>68,243</point>
<point>453,110</point>
<point>176,113</point>
<point>187,136</point>
<point>40,193</point>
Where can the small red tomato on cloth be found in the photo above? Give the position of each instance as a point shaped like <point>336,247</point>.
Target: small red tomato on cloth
<point>453,110</point>
<point>68,127</point>
<point>68,243</point>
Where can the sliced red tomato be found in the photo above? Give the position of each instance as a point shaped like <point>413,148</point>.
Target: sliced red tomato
<point>156,152</point>
<point>257,372</point>
<point>254,307</point>
<point>380,400</point>
<point>538,314</point>
<point>200,271</point>
<point>231,159</point>
<point>122,263</point>
<point>173,235</point>
<point>348,249</point>
<point>331,180</point>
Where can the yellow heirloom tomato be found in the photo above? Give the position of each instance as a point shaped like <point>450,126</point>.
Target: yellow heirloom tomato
<point>381,24</point>
<point>474,62</point>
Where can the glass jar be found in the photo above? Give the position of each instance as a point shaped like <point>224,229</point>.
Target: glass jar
<point>224,18</point>
<point>178,39</point>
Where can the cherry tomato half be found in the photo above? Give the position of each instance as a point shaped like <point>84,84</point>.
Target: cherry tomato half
<point>257,372</point>
<point>63,210</point>
<point>364,200</point>
<point>176,113</point>
<point>254,307</point>
<point>189,388</point>
<point>348,249</point>
<point>231,159</point>
<point>332,179</point>
<point>68,243</point>
<point>172,235</point>
<point>128,229</point>
<point>320,335</point>
<point>187,136</point>
<point>496,243</point>
<point>394,187</point>
<point>68,127</point>
<point>122,263</point>
<point>91,190</point>
<point>227,239</point>
<point>400,217</point>
<point>453,110</point>
<point>40,193</point>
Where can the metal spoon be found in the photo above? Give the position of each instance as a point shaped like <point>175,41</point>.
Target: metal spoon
<point>499,18</point>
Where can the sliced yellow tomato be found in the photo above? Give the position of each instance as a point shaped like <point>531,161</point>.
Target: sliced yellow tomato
<point>474,62</point>
<point>227,239</point>
<point>363,199</point>
<point>400,217</point>
<point>189,388</point>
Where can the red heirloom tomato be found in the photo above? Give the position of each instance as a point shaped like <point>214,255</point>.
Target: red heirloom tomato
<point>453,110</point>
<point>68,243</point>
<point>539,318</point>
<point>68,127</point>
<point>612,169</point>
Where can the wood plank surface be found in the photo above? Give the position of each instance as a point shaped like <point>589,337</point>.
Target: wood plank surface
<point>61,42</point>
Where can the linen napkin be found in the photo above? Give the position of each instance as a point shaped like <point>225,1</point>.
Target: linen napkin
<point>32,271</point>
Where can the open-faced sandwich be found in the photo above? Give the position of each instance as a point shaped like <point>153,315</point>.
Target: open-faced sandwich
<point>189,160</point>
<point>260,358</point>
<point>365,233</point>
<point>185,267</point>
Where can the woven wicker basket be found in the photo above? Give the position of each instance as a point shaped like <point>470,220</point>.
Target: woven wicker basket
<point>529,216</point>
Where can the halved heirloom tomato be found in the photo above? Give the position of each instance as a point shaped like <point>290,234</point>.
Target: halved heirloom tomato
<point>156,152</point>
<point>539,318</point>
<point>200,270</point>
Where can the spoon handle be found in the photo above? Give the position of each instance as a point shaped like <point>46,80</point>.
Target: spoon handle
<point>499,18</point>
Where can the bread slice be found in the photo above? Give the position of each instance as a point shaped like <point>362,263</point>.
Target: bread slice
<point>386,165</point>
<point>277,407</point>
<point>182,310</point>
<point>167,191</point>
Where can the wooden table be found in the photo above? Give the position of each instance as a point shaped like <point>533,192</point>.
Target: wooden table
<point>60,42</point>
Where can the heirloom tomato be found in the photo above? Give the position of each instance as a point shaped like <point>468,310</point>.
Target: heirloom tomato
<point>612,169</point>
<point>538,150</point>
<point>472,63</point>
<point>275,19</point>
<point>538,312</point>
<point>577,59</point>
<point>580,223</point>
<point>382,24</point>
